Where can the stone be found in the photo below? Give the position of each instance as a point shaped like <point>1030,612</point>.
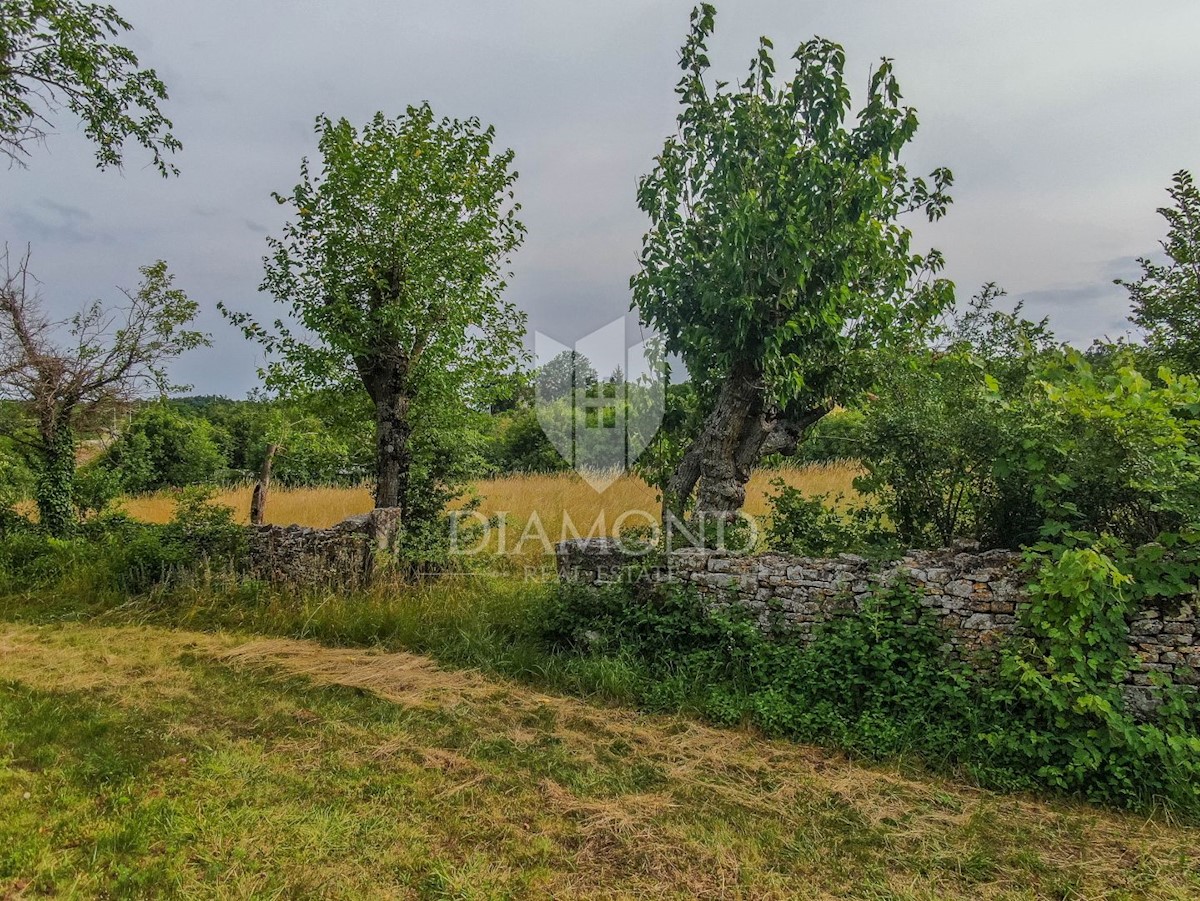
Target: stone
<point>979,621</point>
<point>960,588</point>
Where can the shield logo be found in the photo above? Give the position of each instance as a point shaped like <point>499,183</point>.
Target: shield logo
<point>599,426</point>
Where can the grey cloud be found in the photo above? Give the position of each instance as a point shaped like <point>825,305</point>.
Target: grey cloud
<point>1063,123</point>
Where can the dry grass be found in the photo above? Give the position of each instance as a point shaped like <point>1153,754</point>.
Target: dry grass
<point>382,775</point>
<point>564,504</point>
<point>528,513</point>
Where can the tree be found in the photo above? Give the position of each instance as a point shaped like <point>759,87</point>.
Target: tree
<point>109,355</point>
<point>56,53</point>
<point>564,373</point>
<point>1166,299</point>
<point>774,259</point>
<point>395,262</point>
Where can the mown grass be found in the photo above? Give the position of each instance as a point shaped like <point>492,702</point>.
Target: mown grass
<point>147,761</point>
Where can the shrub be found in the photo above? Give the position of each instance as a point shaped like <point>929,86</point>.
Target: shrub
<point>112,553</point>
<point>813,526</point>
<point>163,449</point>
<point>1045,711</point>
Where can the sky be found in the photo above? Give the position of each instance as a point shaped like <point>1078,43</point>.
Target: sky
<point>1063,123</point>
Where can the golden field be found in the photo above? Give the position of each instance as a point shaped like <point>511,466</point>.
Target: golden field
<point>560,505</point>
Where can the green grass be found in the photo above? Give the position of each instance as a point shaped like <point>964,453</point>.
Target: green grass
<point>144,761</point>
<point>487,621</point>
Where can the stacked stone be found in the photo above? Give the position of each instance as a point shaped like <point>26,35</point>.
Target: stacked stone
<point>975,596</point>
<point>344,554</point>
<point>1167,642</point>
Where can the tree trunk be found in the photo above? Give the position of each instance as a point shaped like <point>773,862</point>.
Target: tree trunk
<point>393,451</point>
<point>56,478</point>
<point>258,502</point>
<point>739,431</point>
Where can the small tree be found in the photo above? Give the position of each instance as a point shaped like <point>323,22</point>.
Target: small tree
<point>56,53</point>
<point>1166,299</point>
<point>395,262</point>
<point>111,355</point>
<point>774,260</point>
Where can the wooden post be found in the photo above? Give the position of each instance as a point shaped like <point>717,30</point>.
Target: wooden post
<point>258,501</point>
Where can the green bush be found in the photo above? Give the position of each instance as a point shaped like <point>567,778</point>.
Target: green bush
<point>16,484</point>
<point>815,527</point>
<point>164,449</point>
<point>1045,711</point>
<point>518,444</point>
<point>112,553</point>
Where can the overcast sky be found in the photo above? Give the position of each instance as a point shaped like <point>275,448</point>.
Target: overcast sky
<point>1062,122</point>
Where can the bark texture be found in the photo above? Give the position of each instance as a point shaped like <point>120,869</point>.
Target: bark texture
<point>740,430</point>
<point>258,501</point>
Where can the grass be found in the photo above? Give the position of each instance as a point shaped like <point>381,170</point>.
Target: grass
<point>138,760</point>
<point>553,497</point>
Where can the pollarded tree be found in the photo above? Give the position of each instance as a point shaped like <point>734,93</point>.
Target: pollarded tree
<point>56,53</point>
<point>395,261</point>
<point>775,260</point>
<point>1166,299</point>
<point>61,373</point>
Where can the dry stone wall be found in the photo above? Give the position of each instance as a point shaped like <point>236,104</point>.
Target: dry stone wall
<point>975,595</point>
<point>346,554</point>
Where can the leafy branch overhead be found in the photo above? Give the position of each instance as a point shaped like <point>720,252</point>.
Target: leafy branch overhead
<point>57,54</point>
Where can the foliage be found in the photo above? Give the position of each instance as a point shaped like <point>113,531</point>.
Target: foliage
<point>681,423</point>
<point>94,489</point>
<point>567,372</point>
<point>61,53</point>
<point>519,444</point>
<point>1065,714</point>
<point>1167,295</point>
<point>16,483</point>
<point>106,357</point>
<point>1112,453</point>
<point>881,681</point>
<point>110,553</point>
<point>837,436</point>
<point>394,260</point>
<point>927,445</point>
<point>775,257</point>
<point>162,448</point>
<point>1001,435</point>
<point>816,527</point>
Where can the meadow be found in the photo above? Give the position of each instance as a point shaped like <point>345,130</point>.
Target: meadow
<point>563,503</point>
<point>144,761</point>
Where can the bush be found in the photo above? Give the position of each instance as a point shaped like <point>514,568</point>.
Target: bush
<point>1047,711</point>
<point>814,527</point>
<point>164,449</point>
<point>112,553</point>
<point>954,451</point>
<point>519,444</point>
<point>16,484</point>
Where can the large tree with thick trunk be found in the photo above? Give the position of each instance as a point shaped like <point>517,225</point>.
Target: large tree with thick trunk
<point>62,376</point>
<point>776,263</point>
<point>392,269</point>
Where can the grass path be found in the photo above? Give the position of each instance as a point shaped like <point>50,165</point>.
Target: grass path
<point>137,760</point>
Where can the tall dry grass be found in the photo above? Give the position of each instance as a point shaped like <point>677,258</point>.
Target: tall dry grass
<point>553,497</point>
<point>528,513</point>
